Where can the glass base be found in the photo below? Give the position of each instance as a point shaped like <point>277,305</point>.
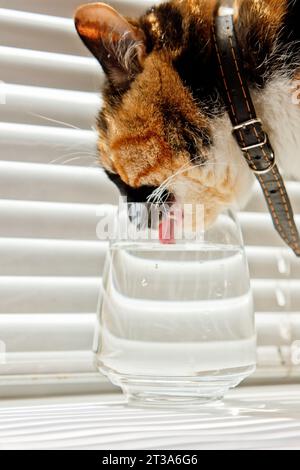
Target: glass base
<point>182,392</point>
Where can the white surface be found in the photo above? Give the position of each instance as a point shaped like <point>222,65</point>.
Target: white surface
<point>50,259</point>
<point>250,418</point>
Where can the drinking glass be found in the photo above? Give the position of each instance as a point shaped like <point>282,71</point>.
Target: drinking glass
<point>175,320</point>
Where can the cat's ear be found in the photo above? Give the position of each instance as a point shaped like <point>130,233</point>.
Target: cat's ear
<point>115,42</point>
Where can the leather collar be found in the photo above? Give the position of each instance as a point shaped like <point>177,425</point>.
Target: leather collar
<point>248,130</point>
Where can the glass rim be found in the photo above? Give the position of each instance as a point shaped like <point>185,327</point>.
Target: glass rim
<point>129,215</point>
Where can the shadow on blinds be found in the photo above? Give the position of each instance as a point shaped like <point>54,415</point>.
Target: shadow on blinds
<point>50,190</point>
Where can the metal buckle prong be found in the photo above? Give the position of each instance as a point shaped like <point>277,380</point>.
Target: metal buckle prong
<point>255,146</point>
<point>245,124</point>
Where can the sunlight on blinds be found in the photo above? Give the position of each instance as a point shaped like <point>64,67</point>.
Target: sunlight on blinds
<point>50,188</point>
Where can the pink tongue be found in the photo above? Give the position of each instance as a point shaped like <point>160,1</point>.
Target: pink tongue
<point>167,227</point>
<point>166,231</point>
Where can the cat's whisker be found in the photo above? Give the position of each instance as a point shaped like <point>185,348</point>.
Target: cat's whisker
<point>162,186</point>
<point>74,147</point>
<point>184,168</point>
<point>79,155</point>
<point>188,169</point>
<point>67,124</point>
<point>58,160</point>
<point>74,159</point>
<point>79,152</point>
<point>156,194</point>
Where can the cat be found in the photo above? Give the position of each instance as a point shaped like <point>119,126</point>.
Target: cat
<point>163,131</point>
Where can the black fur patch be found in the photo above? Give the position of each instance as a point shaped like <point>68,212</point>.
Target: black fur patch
<point>133,194</point>
<point>191,135</point>
<point>291,30</point>
<point>195,68</point>
<point>260,58</point>
<point>196,73</point>
<point>146,27</point>
<point>170,21</point>
<point>290,33</point>
<point>101,122</point>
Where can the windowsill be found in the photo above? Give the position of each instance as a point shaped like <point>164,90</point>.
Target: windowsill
<point>262,417</point>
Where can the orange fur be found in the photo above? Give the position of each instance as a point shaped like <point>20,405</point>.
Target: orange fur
<point>137,135</point>
<point>141,137</point>
<point>266,16</point>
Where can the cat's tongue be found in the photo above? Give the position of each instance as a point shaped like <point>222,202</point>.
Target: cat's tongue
<point>167,226</point>
<point>166,232</point>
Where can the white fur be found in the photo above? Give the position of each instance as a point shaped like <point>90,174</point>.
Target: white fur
<point>280,114</point>
<point>276,107</point>
<point>226,153</point>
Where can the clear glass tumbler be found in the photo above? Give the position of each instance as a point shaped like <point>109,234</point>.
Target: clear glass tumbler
<point>176,320</point>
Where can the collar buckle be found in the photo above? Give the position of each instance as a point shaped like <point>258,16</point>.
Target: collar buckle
<point>255,146</point>
<point>242,127</point>
<point>245,124</point>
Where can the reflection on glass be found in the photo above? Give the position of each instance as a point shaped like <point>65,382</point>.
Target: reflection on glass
<point>176,315</point>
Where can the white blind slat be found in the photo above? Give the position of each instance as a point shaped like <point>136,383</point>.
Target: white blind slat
<point>257,202</point>
<point>277,329</point>
<point>59,257</point>
<point>272,262</point>
<point>49,69</point>
<point>52,34</point>
<point>59,342</point>
<point>55,183</point>
<point>47,332</point>
<point>48,107</point>
<point>79,221</point>
<point>50,367</point>
<point>42,295</point>
<point>51,197</point>
<point>73,331</point>
<point>258,228</point>
<point>67,7</point>
<point>48,257</point>
<point>26,294</point>
<point>276,295</point>
<point>51,220</point>
<point>46,144</point>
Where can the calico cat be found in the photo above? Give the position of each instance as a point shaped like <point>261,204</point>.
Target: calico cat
<point>163,130</point>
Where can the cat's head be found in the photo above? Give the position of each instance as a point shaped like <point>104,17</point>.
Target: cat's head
<point>162,124</point>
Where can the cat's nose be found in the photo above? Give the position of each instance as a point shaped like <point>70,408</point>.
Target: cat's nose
<point>141,218</point>
<point>161,197</point>
<point>170,198</point>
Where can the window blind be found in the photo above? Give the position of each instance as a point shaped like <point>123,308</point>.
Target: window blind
<point>50,190</point>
